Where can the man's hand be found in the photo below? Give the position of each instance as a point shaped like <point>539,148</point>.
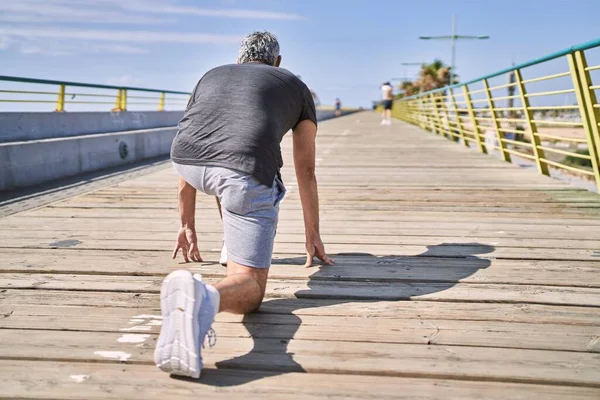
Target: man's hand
<point>315,248</point>
<point>188,243</point>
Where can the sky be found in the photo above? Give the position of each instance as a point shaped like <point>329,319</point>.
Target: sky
<point>340,48</point>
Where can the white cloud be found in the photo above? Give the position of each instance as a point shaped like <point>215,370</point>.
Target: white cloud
<point>58,48</point>
<point>47,26</point>
<point>97,18</point>
<point>119,11</point>
<point>29,49</point>
<point>117,48</point>
<point>4,42</point>
<point>117,36</point>
<point>34,11</point>
<point>223,13</point>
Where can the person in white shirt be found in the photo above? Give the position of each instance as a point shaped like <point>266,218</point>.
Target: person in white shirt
<point>387,94</point>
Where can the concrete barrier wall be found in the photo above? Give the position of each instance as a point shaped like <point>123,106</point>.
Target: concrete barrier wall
<point>37,161</point>
<point>32,161</point>
<point>16,126</point>
<point>323,115</point>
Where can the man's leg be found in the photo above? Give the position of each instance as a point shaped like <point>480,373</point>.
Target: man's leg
<point>243,288</point>
<point>189,305</point>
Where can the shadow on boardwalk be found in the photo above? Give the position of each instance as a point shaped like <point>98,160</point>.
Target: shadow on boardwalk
<point>270,356</point>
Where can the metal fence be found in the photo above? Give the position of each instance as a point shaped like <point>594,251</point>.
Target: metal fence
<point>520,116</point>
<point>14,90</point>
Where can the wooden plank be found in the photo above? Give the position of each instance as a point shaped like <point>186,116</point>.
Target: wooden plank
<point>353,194</point>
<point>432,361</point>
<point>331,239</point>
<point>83,381</point>
<point>439,250</point>
<point>171,207</point>
<point>559,217</point>
<point>148,303</point>
<point>324,328</point>
<point>288,266</point>
<point>558,295</point>
<point>53,226</point>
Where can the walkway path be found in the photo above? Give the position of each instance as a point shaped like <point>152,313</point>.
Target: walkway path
<point>458,276</point>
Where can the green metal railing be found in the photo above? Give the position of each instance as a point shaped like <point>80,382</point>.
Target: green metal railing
<point>470,113</point>
<point>64,93</point>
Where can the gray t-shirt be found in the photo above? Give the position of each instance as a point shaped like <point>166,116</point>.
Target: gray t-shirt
<point>237,117</point>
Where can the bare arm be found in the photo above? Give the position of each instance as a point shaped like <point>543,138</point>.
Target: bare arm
<point>304,161</point>
<point>187,240</point>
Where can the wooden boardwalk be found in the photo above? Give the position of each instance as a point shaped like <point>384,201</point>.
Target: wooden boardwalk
<point>458,277</point>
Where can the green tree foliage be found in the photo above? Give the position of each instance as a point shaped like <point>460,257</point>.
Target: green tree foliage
<point>431,76</point>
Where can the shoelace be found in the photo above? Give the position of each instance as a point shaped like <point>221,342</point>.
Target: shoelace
<point>211,338</point>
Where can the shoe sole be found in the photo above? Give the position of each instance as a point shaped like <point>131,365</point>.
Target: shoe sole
<point>176,351</point>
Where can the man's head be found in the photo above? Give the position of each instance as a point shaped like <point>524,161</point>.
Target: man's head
<point>260,47</point>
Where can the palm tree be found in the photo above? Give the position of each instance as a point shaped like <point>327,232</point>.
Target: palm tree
<point>432,76</point>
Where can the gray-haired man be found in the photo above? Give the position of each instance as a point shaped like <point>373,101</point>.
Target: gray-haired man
<point>228,146</point>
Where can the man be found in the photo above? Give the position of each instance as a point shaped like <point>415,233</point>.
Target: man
<point>387,94</point>
<point>228,146</point>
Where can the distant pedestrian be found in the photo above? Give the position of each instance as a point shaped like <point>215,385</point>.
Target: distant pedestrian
<point>338,107</point>
<point>387,95</point>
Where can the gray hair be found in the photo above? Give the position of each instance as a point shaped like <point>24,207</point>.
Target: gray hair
<point>259,46</point>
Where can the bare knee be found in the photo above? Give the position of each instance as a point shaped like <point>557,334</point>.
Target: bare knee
<point>243,289</point>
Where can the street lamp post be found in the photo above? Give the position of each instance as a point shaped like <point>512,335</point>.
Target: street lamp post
<point>453,39</point>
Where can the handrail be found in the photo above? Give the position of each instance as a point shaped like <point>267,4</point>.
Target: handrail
<point>88,85</point>
<point>64,97</point>
<point>499,127</point>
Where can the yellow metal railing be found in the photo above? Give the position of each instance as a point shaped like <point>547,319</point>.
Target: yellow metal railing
<point>511,118</point>
<point>70,93</point>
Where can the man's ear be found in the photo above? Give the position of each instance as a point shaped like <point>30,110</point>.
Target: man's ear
<point>278,61</point>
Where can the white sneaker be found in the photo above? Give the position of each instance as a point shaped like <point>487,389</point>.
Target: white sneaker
<point>188,308</point>
<point>223,258</point>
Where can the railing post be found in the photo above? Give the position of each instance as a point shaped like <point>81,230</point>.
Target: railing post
<point>426,116</point>
<point>118,101</point>
<point>413,112</point>
<point>458,120</point>
<point>499,136</point>
<point>586,99</point>
<point>438,123</point>
<point>123,99</point>
<point>398,106</point>
<point>528,114</point>
<point>480,144</point>
<point>444,106</point>
<point>161,104</point>
<point>60,102</point>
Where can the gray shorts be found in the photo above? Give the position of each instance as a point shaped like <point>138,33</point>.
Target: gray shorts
<point>250,210</point>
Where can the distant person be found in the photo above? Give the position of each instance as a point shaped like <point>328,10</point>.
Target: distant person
<point>338,107</point>
<point>387,95</point>
<point>228,146</point>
